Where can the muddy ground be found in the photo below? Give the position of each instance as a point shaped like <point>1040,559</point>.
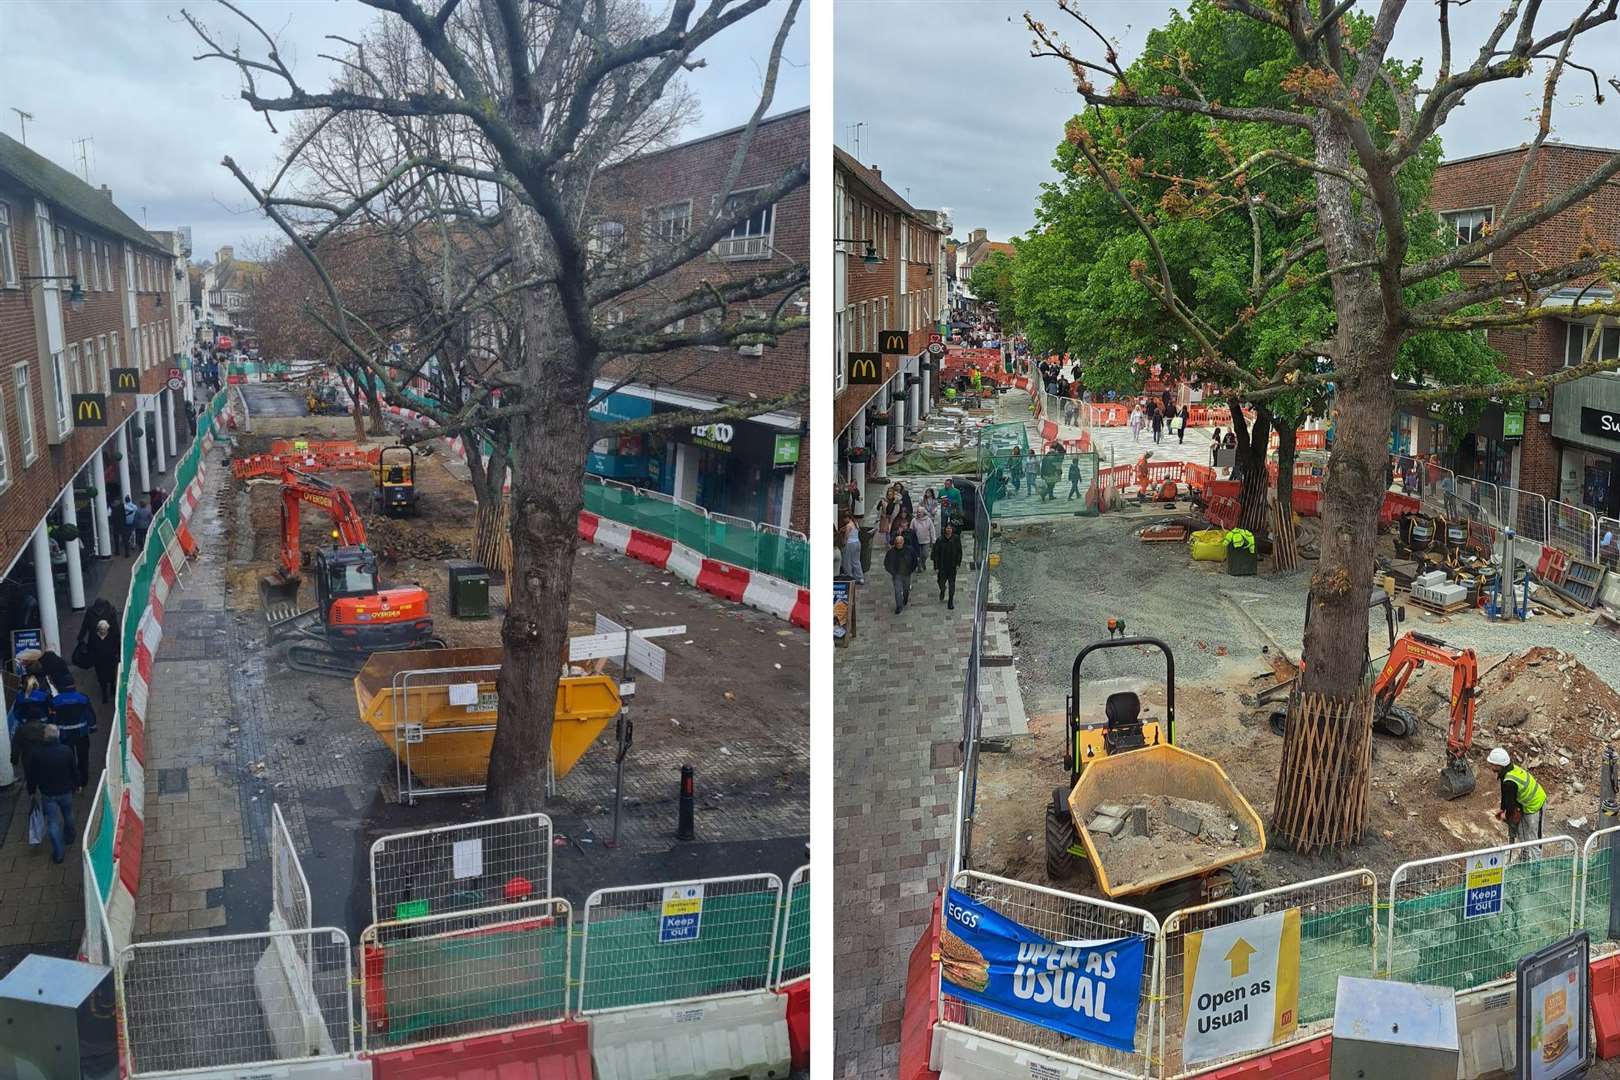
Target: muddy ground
<point>734,704</point>
<point>1067,578</point>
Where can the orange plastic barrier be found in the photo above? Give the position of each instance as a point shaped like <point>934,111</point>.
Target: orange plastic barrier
<point>555,1052</point>
<point>798,1021</point>
<point>1394,506</point>
<point>1198,478</point>
<point>1606,1006</point>
<point>920,1008</point>
<point>1222,513</point>
<point>1310,440</point>
<point>1307,503</point>
<point>1307,1061</point>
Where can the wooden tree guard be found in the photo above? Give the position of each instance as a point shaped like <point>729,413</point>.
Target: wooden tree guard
<point>1284,541</point>
<point>492,541</point>
<point>1326,769</point>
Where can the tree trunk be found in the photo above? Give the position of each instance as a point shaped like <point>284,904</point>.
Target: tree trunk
<point>1285,484</point>
<point>374,405</point>
<point>354,407</point>
<point>1251,456</point>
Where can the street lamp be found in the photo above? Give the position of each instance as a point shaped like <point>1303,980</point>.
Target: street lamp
<point>75,297</point>
<point>870,258</point>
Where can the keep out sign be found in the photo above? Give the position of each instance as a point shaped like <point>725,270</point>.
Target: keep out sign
<point>1240,986</point>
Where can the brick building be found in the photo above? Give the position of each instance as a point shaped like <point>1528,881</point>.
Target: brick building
<point>84,291</point>
<point>745,468</point>
<point>889,281</point>
<point>1558,446</point>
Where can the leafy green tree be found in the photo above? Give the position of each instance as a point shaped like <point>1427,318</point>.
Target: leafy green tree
<point>992,281</point>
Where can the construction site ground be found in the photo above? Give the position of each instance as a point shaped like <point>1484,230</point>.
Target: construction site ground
<point>1546,693</point>
<point>733,705</point>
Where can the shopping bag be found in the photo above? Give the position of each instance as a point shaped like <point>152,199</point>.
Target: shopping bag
<point>36,825</point>
<point>81,655</point>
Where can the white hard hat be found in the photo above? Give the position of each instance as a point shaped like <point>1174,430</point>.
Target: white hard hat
<point>1498,756</point>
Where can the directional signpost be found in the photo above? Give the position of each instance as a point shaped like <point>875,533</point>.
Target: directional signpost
<point>1240,986</point>
<point>633,651</point>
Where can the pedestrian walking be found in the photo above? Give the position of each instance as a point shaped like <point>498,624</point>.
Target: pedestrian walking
<point>191,419</point>
<point>142,522</point>
<point>1215,448</point>
<point>1523,799</point>
<point>1074,478</point>
<point>898,562</point>
<point>104,650</point>
<point>1181,432</point>
<point>931,507</point>
<point>888,516</point>
<point>51,773</point>
<point>1051,472</point>
<point>950,506</point>
<point>922,527</point>
<point>947,557</point>
<point>75,720</point>
<point>1135,423</point>
<point>851,547</point>
<point>126,532</point>
<point>1158,425</point>
<point>158,497</point>
<point>1032,471</point>
<point>1016,467</point>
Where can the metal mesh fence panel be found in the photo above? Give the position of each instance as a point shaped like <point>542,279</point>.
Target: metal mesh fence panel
<point>1608,536</point>
<point>289,889</point>
<point>466,973</point>
<point>1525,513</point>
<point>236,1000</point>
<point>671,942</point>
<point>1572,529</point>
<point>794,965</point>
<point>97,944</point>
<point>733,540</point>
<point>784,553</point>
<point>1433,938</point>
<point>1598,857</point>
<point>1061,916</point>
<point>466,867</point>
<point>781,552</point>
<point>692,527</point>
<point>1059,484</point>
<point>1479,500</point>
<point>1338,930</point>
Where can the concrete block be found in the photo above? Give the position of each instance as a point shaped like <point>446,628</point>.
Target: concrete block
<point>1105,825</point>
<point>1136,822</point>
<point>1187,822</point>
<point>1108,809</point>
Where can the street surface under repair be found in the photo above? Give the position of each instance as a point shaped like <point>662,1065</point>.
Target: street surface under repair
<point>234,730</point>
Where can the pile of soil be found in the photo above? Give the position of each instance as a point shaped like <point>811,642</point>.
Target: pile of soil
<point>1167,847</point>
<point>1552,713</point>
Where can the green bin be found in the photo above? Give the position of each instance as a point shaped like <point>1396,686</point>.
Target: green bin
<point>469,590</point>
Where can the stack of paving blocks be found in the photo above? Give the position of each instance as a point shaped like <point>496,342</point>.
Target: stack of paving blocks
<point>1433,589</point>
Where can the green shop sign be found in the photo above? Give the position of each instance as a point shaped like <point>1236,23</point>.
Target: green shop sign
<point>786,455</point>
<point>1513,425</point>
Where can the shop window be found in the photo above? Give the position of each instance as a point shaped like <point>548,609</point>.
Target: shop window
<point>1579,335</point>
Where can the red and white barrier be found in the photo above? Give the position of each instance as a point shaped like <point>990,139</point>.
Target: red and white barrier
<point>763,592</point>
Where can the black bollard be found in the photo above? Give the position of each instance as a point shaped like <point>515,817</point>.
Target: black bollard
<point>684,830</point>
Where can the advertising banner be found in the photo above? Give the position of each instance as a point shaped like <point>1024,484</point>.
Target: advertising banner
<point>1088,989</point>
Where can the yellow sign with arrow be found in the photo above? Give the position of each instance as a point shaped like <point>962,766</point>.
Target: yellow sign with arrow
<point>1240,986</point>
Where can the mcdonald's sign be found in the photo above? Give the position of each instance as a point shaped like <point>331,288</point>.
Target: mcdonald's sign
<point>865,369</point>
<point>126,380</point>
<point>894,342</point>
<point>90,410</point>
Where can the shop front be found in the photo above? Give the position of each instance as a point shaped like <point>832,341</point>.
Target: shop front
<point>741,468</point>
<point>1487,454</point>
<point>634,459</point>
<point>1586,425</point>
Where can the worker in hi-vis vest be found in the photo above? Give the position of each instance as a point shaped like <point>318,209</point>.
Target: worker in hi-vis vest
<point>1522,797</point>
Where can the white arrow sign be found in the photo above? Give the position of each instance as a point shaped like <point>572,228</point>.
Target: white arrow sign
<point>608,643</point>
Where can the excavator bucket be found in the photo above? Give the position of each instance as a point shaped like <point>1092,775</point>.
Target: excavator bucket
<point>1457,778</point>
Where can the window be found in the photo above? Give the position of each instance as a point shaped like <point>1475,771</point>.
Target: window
<point>8,260</point>
<point>1466,226</point>
<point>102,364</point>
<point>60,392</point>
<point>750,238</point>
<point>107,267</point>
<point>674,222</point>
<point>112,353</point>
<point>708,321</point>
<point>1576,341</point>
<point>75,373</point>
<point>78,258</point>
<point>61,264</point>
<point>606,240</point>
<point>25,414</point>
<point>5,455</point>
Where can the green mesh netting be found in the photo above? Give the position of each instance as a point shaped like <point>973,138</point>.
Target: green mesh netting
<point>626,965</point>
<point>796,938</point>
<point>478,981</point>
<point>1434,944</point>
<point>101,848</point>
<point>1338,943</point>
<point>1038,485</point>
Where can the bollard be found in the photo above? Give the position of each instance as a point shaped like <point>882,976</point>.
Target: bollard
<point>683,829</point>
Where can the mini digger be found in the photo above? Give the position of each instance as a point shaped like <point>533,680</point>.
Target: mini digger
<point>1123,758</point>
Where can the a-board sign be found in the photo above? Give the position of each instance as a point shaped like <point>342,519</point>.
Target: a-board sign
<point>23,640</point>
<point>1241,986</point>
<point>1553,989</point>
<point>843,619</point>
<point>681,916</point>
<point>1483,894</point>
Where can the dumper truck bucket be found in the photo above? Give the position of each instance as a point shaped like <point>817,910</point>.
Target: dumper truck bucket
<point>1125,779</point>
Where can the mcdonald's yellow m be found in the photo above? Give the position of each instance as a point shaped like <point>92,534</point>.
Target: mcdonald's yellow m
<point>127,380</point>
<point>90,410</point>
<point>865,368</point>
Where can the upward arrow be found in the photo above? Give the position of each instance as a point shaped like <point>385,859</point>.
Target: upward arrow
<point>1238,956</point>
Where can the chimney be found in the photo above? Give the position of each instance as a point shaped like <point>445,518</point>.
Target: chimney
<point>977,236</point>
<point>877,172</point>
<point>223,254</point>
<point>107,191</point>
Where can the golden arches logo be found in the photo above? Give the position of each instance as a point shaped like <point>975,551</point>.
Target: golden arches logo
<point>865,368</point>
<point>88,410</point>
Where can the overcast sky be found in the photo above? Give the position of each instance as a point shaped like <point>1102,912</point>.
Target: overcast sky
<point>120,73</point>
<point>972,126</point>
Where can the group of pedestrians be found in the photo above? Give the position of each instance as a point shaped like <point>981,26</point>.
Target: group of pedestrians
<point>911,534</point>
<point>1161,418</point>
<point>50,724</point>
<point>131,521</point>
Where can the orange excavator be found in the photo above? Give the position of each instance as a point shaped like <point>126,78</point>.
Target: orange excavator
<point>1411,652</point>
<point>353,615</point>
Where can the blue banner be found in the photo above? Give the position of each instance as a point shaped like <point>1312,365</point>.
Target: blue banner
<point>1088,989</point>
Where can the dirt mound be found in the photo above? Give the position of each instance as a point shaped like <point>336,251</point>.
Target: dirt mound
<point>394,538</point>
<point>1551,712</point>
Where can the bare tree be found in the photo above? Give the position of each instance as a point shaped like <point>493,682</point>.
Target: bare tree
<point>524,105</point>
<point>1382,288</point>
